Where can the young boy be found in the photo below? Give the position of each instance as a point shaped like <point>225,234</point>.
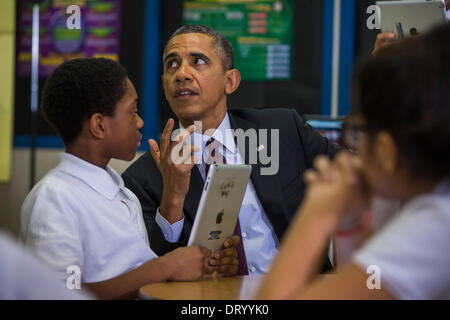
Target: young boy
<point>80,217</point>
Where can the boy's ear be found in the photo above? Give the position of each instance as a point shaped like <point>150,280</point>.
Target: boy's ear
<point>97,126</point>
<point>386,153</point>
<point>233,81</point>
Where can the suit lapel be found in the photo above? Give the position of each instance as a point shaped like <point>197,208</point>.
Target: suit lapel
<point>268,188</point>
<point>192,199</point>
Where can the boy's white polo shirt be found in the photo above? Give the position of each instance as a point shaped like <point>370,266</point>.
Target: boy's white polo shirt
<point>82,215</point>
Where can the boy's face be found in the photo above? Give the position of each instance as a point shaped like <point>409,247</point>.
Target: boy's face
<point>194,80</point>
<point>124,136</point>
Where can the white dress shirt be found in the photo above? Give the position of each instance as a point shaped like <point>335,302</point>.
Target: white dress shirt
<point>82,215</point>
<point>260,241</point>
<point>411,250</point>
<point>24,277</point>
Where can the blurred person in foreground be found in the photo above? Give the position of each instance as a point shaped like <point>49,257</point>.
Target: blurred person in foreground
<point>402,99</point>
<point>24,277</point>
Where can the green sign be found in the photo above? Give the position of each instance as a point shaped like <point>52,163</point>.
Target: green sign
<point>260,32</point>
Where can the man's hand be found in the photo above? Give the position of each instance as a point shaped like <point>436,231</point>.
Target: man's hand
<point>175,163</point>
<point>383,39</point>
<point>225,261</point>
<point>187,263</point>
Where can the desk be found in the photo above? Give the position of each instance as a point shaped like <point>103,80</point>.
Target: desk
<point>232,288</point>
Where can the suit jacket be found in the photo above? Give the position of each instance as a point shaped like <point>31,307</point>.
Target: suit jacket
<point>280,194</point>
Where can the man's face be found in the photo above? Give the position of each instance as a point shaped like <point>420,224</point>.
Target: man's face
<point>124,127</point>
<point>194,79</point>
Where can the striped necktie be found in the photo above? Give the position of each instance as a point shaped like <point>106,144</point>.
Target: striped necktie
<point>217,158</point>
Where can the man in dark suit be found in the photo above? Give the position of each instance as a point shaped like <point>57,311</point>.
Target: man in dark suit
<point>198,77</point>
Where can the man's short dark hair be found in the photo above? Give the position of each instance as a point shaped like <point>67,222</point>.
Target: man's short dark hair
<point>79,88</point>
<point>223,47</point>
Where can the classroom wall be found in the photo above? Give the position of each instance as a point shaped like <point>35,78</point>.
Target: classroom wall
<point>7,39</point>
<point>13,194</point>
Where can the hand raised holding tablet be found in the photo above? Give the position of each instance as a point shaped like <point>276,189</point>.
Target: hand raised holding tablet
<point>225,261</point>
<point>383,39</point>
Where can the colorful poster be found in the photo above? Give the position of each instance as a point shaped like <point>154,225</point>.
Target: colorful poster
<point>7,43</point>
<point>99,35</point>
<point>260,32</point>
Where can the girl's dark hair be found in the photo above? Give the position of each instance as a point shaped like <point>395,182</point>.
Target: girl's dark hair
<point>405,91</point>
<point>79,88</point>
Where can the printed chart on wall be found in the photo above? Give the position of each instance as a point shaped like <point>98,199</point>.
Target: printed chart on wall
<point>99,35</point>
<point>260,32</point>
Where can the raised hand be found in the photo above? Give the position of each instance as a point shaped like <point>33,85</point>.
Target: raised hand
<point>175,162</point>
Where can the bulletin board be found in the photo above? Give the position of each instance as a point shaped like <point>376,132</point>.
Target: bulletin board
<point>99,35</point>
<point>259,31</point>
<point>129,15</point>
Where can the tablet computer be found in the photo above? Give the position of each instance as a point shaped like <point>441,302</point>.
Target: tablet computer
<point>410,18</point>
<point>219,206</point>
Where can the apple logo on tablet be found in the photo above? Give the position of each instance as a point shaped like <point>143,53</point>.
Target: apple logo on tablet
<point>219,217</point>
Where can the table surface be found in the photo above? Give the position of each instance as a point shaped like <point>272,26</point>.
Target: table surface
<point>232,288</point>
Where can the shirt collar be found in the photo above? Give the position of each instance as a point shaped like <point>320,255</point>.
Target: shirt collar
<point>106,182</point>
<point>223,135</point>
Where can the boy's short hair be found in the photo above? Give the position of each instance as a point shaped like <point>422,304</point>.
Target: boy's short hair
<point>79,88</point>
<point>405,91</point>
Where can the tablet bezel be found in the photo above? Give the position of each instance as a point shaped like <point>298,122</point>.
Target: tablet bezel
<point>407,13</point>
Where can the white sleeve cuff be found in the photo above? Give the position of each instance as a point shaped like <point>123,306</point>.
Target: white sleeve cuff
<point>172,232</point>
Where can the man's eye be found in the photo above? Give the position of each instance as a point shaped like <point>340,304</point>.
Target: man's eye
<point>200,61</point>
<point>172,64</point>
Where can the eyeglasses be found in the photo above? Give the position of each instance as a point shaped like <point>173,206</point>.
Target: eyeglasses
<point>352,130</point>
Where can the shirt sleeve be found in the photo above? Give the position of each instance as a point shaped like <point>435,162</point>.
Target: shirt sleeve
<point>50,229</point>
<point>172,232</point>
<point>412,252</point>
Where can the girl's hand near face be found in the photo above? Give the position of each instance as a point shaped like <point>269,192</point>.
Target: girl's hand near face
<point>337,188</point>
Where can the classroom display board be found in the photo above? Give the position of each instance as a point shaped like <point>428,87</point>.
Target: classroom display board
<point>98,35</point>
<point>7,40</point>
<point>261,33</point>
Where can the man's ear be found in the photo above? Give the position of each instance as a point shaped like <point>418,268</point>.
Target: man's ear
<point>97,126</point>
<point>233,81</point>
<point>163,85</point>
<point>386,152</point>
